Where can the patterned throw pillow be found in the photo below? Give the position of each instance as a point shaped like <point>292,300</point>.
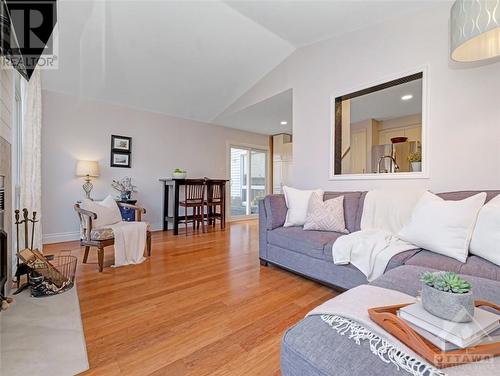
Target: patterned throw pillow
<point>325,215</point>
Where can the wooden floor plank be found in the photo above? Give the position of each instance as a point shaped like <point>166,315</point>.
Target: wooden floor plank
<point>201,305</point>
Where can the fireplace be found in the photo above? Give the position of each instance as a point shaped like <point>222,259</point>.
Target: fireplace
<point>3,260</point>
<point>3,238</point>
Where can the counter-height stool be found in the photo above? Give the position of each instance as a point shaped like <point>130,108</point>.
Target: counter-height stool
<point>216,200</point>
<point>194,198</point>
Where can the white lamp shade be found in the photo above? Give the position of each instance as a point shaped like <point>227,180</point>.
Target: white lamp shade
<point>475,30</point>
<point>87,168</point>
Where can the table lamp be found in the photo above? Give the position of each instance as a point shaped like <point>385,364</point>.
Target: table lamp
<point>87,169</point>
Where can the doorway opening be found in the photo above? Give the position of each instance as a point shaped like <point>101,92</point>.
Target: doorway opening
<point>248,169</point>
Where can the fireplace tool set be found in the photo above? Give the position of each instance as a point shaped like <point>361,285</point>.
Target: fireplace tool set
<point>46,276</point>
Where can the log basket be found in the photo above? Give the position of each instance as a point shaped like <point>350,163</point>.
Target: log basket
<point>55,278</point>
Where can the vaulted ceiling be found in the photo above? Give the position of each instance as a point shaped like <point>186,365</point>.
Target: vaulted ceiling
<point>192,59</point>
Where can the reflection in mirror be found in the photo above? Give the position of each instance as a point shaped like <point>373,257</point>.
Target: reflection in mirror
<point>379,129</point>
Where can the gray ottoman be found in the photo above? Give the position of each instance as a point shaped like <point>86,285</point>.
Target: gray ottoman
<point>313,348</point>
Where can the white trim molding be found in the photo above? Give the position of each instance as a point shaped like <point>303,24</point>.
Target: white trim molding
<point>61,237</point>
<point>424,174</point>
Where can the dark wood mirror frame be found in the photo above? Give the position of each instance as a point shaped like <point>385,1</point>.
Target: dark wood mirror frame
<point>337,165</point>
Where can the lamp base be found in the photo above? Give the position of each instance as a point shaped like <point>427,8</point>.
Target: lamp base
<point>87,187</point>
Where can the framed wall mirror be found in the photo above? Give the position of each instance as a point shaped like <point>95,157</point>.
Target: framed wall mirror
<point>379,131</point>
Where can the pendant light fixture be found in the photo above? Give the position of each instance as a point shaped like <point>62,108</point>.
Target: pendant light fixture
<point>475,30</point>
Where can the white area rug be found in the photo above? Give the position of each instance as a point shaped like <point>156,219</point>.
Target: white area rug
<point>43,336</point>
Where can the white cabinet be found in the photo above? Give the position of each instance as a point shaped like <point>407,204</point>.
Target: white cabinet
<point>282,161</point>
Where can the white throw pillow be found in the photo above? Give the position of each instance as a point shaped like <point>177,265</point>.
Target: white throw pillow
<point>107,211</point>
<point>325,215</point>
<point>297,202</point>
<point>486,237</point>
<point>443,227</point>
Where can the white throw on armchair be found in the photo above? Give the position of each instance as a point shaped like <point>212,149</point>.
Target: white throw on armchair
<point>102,236</point>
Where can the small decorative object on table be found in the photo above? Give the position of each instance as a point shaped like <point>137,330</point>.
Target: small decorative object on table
<point>415,160</point>
<point>128,214</point>
<point>179,173</point>
<point>125,187</point>
<point>397,140</point>
<point>446,295</point>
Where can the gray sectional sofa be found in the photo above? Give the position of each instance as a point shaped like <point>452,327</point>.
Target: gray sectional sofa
<point>311,347</point>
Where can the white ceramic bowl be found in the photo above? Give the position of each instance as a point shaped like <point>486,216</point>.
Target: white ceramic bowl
<point>179,175</point>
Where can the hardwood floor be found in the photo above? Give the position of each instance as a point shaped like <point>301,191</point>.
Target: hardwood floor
<point>201,305</point>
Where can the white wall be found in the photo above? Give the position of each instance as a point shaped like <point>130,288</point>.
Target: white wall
<point>76,128</point>
<point>464,113</point>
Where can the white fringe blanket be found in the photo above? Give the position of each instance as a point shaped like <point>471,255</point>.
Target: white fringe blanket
<point>369,250</point>
<point>130,240</point>
<point>347,314</point>
<point>385,212</point>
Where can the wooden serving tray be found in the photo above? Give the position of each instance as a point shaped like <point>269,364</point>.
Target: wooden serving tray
<point>386,317</point>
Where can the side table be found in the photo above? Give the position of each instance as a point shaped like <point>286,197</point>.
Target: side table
<point>128,214</point>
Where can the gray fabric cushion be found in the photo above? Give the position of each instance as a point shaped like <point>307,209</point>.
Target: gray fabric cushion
<point>276,210</point>
<point>475,266</point>
<point>407,279</point>
<point>351,204</point>
<point>342,276</point>
<point>400,259</point>
<point>312,348</point>
<point>262,230</point>
<point>360,210</point>
<point>460,195</point>
<point>310,243</point>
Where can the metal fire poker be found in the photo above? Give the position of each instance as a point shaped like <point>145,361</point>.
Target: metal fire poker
<point>21,267</point>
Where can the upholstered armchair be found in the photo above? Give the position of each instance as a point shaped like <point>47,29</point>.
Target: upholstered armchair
<point>103,237</point>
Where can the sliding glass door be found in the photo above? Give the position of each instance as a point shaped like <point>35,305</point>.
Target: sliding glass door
<point>248,180</point>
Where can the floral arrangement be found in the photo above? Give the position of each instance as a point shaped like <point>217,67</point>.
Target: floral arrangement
<point>447,282</point>
<point>179,171</point>
<point>124,186</point>
<point>415,157</point>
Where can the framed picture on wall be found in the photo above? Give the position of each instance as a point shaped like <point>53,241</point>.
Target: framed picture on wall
<point>121,151</point>
<point>121,143</point>
<point>120,159</point>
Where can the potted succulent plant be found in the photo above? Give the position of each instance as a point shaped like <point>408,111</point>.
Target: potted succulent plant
<point>179,173</point>
<point>415,160</point>
<point>446,295</point>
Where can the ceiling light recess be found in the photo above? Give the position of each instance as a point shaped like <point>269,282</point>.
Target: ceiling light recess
<point>284,122</point>
<point>406,97</point>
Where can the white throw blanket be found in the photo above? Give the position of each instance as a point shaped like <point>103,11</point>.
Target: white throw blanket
<point>389,209</point>
<point>348,314</point>
<point>130,240</point>
<point>371,249</point>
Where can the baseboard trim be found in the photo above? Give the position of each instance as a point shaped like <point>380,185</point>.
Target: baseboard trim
<point>59,237</point>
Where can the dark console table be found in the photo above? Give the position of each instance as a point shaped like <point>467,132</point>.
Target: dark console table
<point>171,194</point>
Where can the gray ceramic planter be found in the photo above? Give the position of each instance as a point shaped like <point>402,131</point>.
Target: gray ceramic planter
<point>448,306</point>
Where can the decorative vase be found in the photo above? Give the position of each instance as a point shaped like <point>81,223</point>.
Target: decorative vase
<point>448,305</point>
<point>416,166</point>
<point>125,195</point>
<point>179,175</point>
